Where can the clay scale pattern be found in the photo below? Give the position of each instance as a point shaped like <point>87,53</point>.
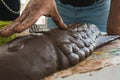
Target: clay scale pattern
<point>35,56</point>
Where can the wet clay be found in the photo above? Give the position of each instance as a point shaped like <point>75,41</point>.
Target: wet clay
<point>34,57</point>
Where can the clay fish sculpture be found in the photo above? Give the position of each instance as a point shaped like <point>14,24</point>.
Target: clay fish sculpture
<point>33,57</point>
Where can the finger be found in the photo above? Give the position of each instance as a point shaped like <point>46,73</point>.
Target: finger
<point>25,25</point>
<point>8,30</point>
<point>25,11</point>
<point>9,33</point>
<point>58,20</point>
<point>23,15</point>
<point>30,19</point>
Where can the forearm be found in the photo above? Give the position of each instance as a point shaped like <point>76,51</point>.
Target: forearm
<point>113,25</point>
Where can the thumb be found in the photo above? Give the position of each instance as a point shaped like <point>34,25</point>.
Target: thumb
<point>58,20</point>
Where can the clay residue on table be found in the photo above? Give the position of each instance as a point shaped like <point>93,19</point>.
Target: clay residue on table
<point>85,66</point>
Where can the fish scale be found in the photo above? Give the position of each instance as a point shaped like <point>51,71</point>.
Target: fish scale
<point>81,39</point>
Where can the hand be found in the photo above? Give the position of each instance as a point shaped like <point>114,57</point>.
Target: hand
<point>30,15</point>
<point>113,25</point>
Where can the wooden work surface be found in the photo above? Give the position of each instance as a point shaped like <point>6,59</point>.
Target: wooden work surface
<point>107,55</point>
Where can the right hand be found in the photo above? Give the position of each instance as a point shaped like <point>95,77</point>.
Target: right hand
<point>30,15</point>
